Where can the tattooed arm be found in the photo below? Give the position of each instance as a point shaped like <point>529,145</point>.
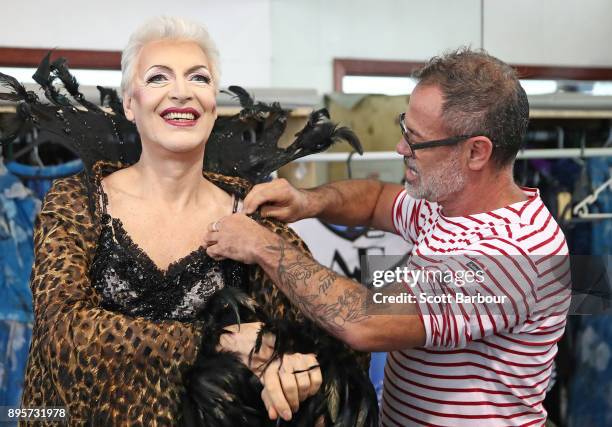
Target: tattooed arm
<point>352,202</point>
<point>336,303</point>
<point>311,287</point>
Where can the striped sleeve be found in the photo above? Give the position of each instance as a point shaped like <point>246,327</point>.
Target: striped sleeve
<point>508,287</point>
<point>409,215</point>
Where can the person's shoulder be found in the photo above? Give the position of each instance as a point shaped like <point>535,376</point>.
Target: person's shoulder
<point>522,239</point>
<point>406,204</point>
<point>282,229</point>
<point>231,184</point>
<point>69,198</point>
<point>67,189</point>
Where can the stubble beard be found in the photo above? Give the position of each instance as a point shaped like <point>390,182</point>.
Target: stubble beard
<point>442,181</point>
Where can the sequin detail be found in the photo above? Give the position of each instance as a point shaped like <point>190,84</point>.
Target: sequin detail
<point>129,282</point>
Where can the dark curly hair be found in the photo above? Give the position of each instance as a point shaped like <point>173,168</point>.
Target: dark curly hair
<point>482,95</point>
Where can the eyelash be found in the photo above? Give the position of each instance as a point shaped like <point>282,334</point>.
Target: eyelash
<point>205,79</point>
<point>156,78</point>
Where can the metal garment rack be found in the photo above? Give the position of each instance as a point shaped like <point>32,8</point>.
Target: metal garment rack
<point>581,209</point>
<point>545,153</point>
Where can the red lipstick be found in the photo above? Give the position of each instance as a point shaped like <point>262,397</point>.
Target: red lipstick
<point>180,116</point>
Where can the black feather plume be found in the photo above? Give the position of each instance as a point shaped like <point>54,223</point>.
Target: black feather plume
<point>59,68</point>
<point>109,98</point>
<point>245,98</point>
<point>18,91</point>
<point>44,77</point>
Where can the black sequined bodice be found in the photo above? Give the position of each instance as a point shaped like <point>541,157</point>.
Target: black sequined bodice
<point>129,282</point>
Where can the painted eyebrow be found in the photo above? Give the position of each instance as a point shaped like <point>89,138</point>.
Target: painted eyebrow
<point>190,70</point>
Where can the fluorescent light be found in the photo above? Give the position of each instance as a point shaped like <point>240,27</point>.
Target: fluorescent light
<point>539,87</point>
<point>388,85</point>
<point>107,78</point>
<point>602,88</point>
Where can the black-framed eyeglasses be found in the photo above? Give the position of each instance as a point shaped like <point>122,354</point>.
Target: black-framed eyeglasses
<point>428,144</point>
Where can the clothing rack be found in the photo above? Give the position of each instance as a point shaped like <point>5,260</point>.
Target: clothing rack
<point>544,153</point>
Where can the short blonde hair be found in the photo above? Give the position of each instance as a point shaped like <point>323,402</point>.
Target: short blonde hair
<point>167,28</point>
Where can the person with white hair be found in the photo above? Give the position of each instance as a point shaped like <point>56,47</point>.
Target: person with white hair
<point>117,291</point>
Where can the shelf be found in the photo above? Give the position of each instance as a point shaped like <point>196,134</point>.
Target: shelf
<point>570,114</point>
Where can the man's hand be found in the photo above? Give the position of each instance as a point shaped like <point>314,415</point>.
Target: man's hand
<point>280,200</point>
<point>237,237</point>
<point>288,382</point>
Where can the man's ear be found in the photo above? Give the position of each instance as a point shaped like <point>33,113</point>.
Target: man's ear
<point>127,106</point>
<point>480,151</point>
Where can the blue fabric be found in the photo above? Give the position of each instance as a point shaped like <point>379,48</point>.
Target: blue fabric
<point>40,179</point>
<point>18,209</point>
<point>15,339</point>
<point>590,391</point>
<point>377,372</point>
<point>599,171</point>
<point>590,399</point>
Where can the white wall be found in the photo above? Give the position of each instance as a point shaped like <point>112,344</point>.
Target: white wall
<point>558,32</point>
<point>241,28</point>
<point>307,35</point>
<point>292,43</point>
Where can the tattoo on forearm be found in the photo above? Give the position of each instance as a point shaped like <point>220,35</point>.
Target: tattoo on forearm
<point>298,274</point>
<point>326,281</point>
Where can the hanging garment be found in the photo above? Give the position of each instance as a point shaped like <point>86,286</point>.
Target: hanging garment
<point>599,171</point>
<point>18,209</point>
<point>592,374</point>
<point>39,179</point>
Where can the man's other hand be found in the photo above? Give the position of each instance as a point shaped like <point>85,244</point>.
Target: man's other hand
<point>280,200</point>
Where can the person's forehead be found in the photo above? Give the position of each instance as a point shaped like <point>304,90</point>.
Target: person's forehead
<point>426,100</point>
<point>170,53</point>
<point>424,113</point>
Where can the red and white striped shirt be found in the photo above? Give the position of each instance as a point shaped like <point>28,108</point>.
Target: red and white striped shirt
<point>479,367</point>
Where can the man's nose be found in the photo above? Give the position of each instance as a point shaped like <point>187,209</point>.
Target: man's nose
<point>403,148</point>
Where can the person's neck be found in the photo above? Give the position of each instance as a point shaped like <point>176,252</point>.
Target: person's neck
<point>175,181</point>
<point>483,193</point>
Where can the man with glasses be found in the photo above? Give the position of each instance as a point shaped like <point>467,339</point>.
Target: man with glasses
<point>450,364</point>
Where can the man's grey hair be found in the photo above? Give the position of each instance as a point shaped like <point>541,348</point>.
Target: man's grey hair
<point>482,96</point>
<point>167,28</point>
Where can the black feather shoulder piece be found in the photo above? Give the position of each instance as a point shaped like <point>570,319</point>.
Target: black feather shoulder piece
<point>244,145</point>
<point>67,119</point>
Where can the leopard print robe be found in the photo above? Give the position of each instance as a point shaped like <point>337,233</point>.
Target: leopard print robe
<point>107,368</point>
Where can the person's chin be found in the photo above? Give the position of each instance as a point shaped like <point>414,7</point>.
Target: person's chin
<point>412,189</point>
<point>183,146</point>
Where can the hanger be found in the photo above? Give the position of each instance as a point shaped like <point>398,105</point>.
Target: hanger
<point>608,142</point>
<point>31,148</point>
<point>349,159</point>
<point>582,208</point>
